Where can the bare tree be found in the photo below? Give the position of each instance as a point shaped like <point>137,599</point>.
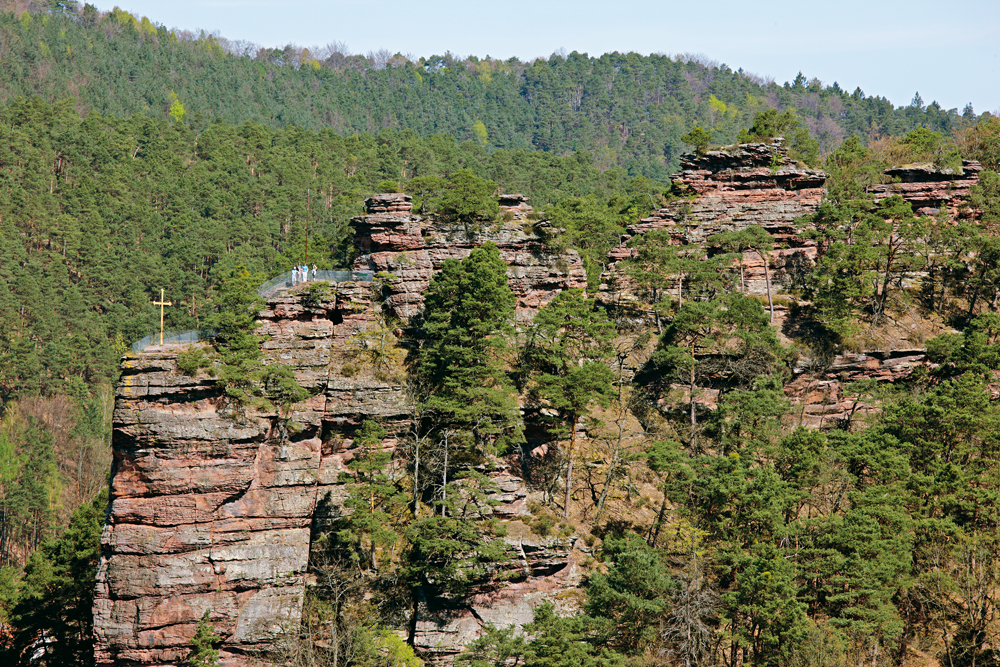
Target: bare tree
<point>379,59</point>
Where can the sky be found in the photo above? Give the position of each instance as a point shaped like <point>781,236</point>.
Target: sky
<point>949,53</point>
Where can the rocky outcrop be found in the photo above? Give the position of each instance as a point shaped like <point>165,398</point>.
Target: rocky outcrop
<point>546,569</point>
<point>212,509</point>
<point>735,188</point>
<point>408,249</point>
<point>759,185</point>
<point>929,188</point>
<point>822,394</point>
<point>822,398</point>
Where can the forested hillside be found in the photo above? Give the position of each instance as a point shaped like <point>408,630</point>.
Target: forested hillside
<point>97,214</point>
<point>135,159</point>
<point>626,110</point>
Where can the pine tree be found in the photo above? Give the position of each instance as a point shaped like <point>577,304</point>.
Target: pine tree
<point>371,496</point>
<point>567,348</point>
<point>469,323</point>
<point>203,652</point>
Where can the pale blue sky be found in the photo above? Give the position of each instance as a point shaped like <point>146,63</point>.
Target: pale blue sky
<point>949,52</point>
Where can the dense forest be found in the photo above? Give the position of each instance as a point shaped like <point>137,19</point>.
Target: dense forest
<point>626,110</point>
<point>873,543</point>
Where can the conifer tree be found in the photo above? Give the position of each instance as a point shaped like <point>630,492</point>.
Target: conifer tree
<point>567,348</point>
<point>469,323</point>
<point>203,651</point>
<point>371,496</point>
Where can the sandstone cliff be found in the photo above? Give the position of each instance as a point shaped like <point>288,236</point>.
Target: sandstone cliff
<point>741,186</point>
<point>209,512</point>
<point>212,511</point>
<point>411,248</point>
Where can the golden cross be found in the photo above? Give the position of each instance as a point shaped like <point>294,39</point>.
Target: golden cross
<point>161,303</point>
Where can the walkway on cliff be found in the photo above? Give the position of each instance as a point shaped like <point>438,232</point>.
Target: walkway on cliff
<point>268,290</point>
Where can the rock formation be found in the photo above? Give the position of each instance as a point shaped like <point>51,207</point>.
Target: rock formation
<point>410,248</point>
<point>735,188</point>
<point>214,512</point>
<point>758,184</point>
<point>930,189</point>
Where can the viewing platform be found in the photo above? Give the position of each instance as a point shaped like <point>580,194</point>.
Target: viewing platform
<point>268,290</point>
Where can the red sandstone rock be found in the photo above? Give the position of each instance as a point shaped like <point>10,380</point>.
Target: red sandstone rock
<point>212,512</point>
<point>412,248</point>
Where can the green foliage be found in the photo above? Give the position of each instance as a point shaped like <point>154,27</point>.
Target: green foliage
<point>634,595</point>
<point>176,108</point>
<point>458,546</point>
<point>55,596</point>
<point>468,199</point>
<point>495,646</point>
<point>372,498</point>
<point>699,138</point>
<point>984,198</point>
<point>192,360</point>
<point>873,247</point>
<point>929,146</point>
<point>565,354</point>
<point>203,652</point>
<point>559,105</point>
<point>765,621</point>
<point>242,374</point>
<point>558,641</point>
<point>468,321</point>
<point>771,123</point>
<point>982,142</point>
<point>238,348</point>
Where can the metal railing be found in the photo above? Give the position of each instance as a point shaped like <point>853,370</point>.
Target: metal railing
<point>284,281</point>
<point>170,337</point>
<point>270,288</point>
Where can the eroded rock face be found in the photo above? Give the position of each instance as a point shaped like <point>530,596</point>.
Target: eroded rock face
<point>759,185</point>
<point>213,510</point>
<point>411,248</point>
<point>743,186</point>
<point>930,189</point>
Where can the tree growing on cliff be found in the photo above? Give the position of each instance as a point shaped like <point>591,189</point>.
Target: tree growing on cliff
<point>752,238</point>
<point>458,545</point>
<point>372,497</point>
<point>244,376</point>
<point>660,260</point>
<point>567,347</point>
<point>468,198</point>
<point>203,651</point>
<point>468,321</point>
<point>772,123</point>
<point>699,138</point>
<point>728,338</point>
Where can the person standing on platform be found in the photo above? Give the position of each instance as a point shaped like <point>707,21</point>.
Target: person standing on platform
<point>314,270</point>
<point>295,275</point>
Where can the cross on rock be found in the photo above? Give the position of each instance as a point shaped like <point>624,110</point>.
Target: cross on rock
<point>161,303</point>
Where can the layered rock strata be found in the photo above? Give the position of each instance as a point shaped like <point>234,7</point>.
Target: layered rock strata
<point>732,189</point>
<point>931,189</point>
<point>408,249</point>
<point>759,185</point>
<point>212,510</point>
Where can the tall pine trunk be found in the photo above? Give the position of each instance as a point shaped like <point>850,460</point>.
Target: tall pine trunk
<point>767,283</point>
<point>569,468</point>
